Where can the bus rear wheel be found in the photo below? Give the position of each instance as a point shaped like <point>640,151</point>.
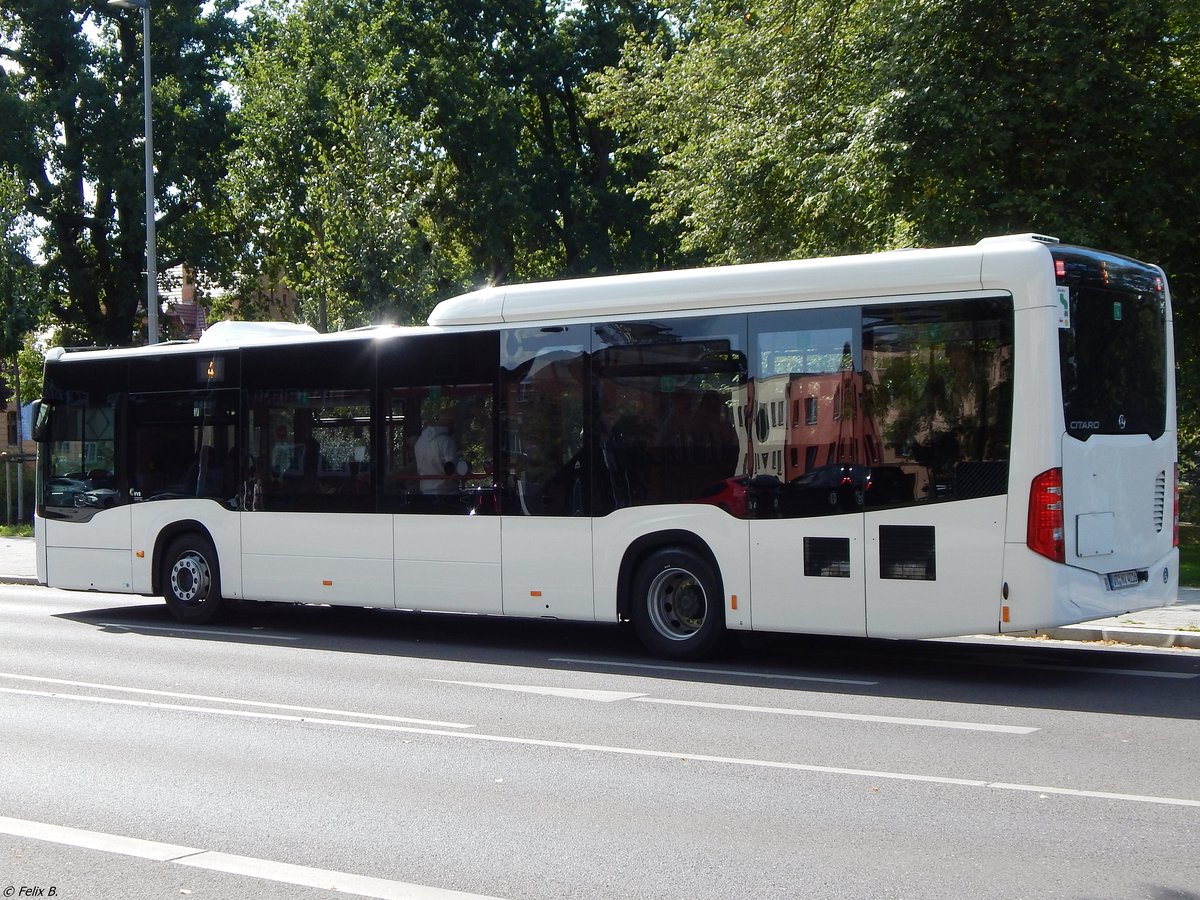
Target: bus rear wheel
<point>676,604</point>
<point>191,579</point>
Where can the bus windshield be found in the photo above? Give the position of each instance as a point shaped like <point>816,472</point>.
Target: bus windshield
<point>1112,345</point>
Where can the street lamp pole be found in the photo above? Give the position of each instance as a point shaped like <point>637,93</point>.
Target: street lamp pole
<point>151,253</point>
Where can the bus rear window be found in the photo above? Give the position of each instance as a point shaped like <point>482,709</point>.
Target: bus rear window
<point>1113,350</point>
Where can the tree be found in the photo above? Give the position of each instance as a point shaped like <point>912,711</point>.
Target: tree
<point>71,98</point>
<point>761,124</point>
<point>1065,117</point>
<point>20,300</point>
<point>466,124</point>
<point>813,126</point>
<point>328,186</point>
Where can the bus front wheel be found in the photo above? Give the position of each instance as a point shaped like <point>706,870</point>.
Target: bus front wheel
<point>191,579</point>
<point>676,606</point>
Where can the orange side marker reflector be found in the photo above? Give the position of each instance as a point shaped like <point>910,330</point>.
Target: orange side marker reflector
<point>1004,613</point>
<point>141,554</point>
<point>327,583</point>
<point>733,601</point>
<point>535,593</point>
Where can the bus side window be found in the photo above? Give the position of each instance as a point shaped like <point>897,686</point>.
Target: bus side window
<point>665,393</point>
<point>181,443</point>
<point>312,451</point>
<point>544,459</point>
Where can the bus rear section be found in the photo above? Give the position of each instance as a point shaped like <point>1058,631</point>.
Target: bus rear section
<point>1103,524</point>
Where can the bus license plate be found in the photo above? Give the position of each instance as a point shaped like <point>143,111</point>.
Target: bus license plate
<point>1120,580</point>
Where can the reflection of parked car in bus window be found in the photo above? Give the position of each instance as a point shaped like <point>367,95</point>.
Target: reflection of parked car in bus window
<point>827,489</point>
<point>889,485</point>
<point>729,495</point>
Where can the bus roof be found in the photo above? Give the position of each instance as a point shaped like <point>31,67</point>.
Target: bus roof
<point>890,273</point>
<point>896,272</point>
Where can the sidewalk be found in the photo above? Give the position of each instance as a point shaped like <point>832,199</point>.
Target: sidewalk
<point>1171,626</point>
<point>17,563</point>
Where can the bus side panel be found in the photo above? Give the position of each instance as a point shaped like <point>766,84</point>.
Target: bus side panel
<point>726,536</point>
<point>823,594</point>
<point>548,567</point>
<point>447,563</point>
<point>91,556</point>
<point>148,520</point>
<point>936,569</point>
<point>342,559</point>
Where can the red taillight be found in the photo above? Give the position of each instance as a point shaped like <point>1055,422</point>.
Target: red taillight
<point>1060,269</point>
<point>1175,526</point>
<point>1045,532</point>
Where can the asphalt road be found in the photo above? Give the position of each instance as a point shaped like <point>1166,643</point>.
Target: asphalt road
<point>290,751</point>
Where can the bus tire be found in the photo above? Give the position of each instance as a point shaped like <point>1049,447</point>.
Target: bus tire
<point>676,604</point>
<point>191,579</point>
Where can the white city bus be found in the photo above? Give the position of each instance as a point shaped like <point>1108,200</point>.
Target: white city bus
<point>907,444</point>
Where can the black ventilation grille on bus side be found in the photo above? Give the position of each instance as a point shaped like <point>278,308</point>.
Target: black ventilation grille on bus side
<point>1160,501</point>
<point>827,557</point>
<point>906,552</point>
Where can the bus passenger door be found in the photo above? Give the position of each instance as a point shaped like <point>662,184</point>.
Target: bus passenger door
<point>809,443</point>
<point>544,464</point>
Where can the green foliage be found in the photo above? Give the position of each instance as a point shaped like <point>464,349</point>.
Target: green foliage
<point>328,186</point>
<point>397,151</point>
<point>763,126</point>
<point>1062,117</point>
<point>816,126</point>
<point>20,298</point>
<point>71,99</point>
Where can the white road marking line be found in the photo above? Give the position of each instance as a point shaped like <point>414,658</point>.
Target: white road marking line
<point>268,870</point>
<point>184,629</point>
<point>853,717</point>
<point>612,696</point>
<point>230,700</point>
<point>692,670</point>
<point>573,693</point>
<point>636,751</point>
<point>806,767</point>
<point>234,713</point>
<point>93,840</point>
<point>1102,795</point>
<point>1136,673</point>
<point>770,675</point>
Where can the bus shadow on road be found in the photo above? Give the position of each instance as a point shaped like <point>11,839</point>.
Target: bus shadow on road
<point>980,671</point>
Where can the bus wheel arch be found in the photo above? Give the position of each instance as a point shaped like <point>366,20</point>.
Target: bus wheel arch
<point>670,587</point>
<point>188,573</point>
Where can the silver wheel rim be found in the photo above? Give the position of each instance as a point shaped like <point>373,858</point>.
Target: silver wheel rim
<point>677,604</point>
<point>191,578</point>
